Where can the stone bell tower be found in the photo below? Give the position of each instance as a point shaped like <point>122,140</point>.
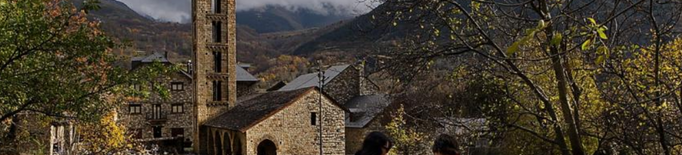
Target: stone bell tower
<point>214,58</point>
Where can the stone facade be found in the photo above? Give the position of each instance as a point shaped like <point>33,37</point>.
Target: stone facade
<point>344,86</point>
<point>367,86</point>
<point>157,113</point>
<point>355,136</point>
<point>290,130</point>
<point>350,83</point>
<point>207,45</point>
<point>245,88</point>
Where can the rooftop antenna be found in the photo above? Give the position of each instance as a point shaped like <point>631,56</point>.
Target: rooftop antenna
<point>321,79</point>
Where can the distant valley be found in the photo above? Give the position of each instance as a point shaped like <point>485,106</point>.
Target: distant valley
<point>263,36</point>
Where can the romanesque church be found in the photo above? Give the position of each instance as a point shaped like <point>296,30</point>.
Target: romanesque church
<point>213,108</point>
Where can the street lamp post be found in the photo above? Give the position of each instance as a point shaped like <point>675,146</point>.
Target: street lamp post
<point>321,79</point>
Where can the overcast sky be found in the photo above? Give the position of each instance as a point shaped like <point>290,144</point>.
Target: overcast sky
<point>179,10</point>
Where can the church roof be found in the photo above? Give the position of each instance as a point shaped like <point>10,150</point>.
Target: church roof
<point>257,108</point>
<point>311,79</point>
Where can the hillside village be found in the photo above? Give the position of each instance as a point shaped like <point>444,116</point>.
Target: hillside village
<point>336,77</point>
<point>215,107</point>
<point>351,104</point>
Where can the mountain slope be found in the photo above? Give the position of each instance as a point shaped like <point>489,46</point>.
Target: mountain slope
<point>142,33</point>
<point>359,35</point>
<point>277,19</point>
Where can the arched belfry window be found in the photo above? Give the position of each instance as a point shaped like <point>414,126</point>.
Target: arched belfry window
<point>217,27</point>
<point>215,6</point>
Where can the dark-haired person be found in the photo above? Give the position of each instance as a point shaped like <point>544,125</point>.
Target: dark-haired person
<point>376,143</point>
<point>445,145</point>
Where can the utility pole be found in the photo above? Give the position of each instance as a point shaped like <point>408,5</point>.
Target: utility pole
<point>321,79</point>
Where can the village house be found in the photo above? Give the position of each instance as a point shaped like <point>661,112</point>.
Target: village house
<point>158,119</point>
<point>347,85</point>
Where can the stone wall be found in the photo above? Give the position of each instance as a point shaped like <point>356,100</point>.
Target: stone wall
<point>367,86</point>
<point>141,123</point>
<point>355,136</point>
<point>292,132</point>
<point>245,88</point>
<point>344,86</point>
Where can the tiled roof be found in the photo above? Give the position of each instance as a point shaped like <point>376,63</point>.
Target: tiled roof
<point>311,80</point>
<point>255,109</point>
<point>365,108</point>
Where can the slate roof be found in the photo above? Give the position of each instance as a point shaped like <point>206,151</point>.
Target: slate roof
<point>243,75</point>
<point>161,57</point>
<point>311,79</point>
<point>253,109</point>
<point>365,108</point>
<point>257,108</point>
<point>156,56</point>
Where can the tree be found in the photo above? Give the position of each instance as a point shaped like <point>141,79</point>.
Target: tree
<point>103,136</point>
<point>407,139</point>
<point>556,59</point>
<point>57,64</point>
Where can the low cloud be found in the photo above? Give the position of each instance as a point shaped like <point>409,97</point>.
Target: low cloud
<point>180,10</point>
<point>163,10</point>
<point>323,7</point>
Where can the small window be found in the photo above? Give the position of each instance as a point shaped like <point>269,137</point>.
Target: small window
<point>177,86</point>
<point>177,132</point>
<point>135,109</point>
<point>136,87</point>
<point>217,85</point>
<point>217,62</point>
<point>313,118</point>
<point>215,6</point>
<point>177,108</point>
<point>137,133</point>
<point>217,31</point>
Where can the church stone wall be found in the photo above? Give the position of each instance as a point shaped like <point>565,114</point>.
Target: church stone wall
<point>292,132</point>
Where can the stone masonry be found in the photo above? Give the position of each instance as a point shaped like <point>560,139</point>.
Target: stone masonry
<point>214,32</point>
<point>144,122</point>
<point>292,132</point>
<point>344,86</point>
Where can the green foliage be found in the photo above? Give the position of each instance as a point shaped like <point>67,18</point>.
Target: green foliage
<point>577,88</point>
<point>56,63</point>
<point>103,136</point>
<point>406,138</point>
<point>527,38</point>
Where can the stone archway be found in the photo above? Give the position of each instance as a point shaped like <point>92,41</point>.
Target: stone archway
<point>209,143</point>
<point>267,147</point>
<point>237,145</point>
<point>217,145</point>
<point>227,146</point>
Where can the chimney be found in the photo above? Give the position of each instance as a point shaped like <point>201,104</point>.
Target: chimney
<point>165,55</point>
